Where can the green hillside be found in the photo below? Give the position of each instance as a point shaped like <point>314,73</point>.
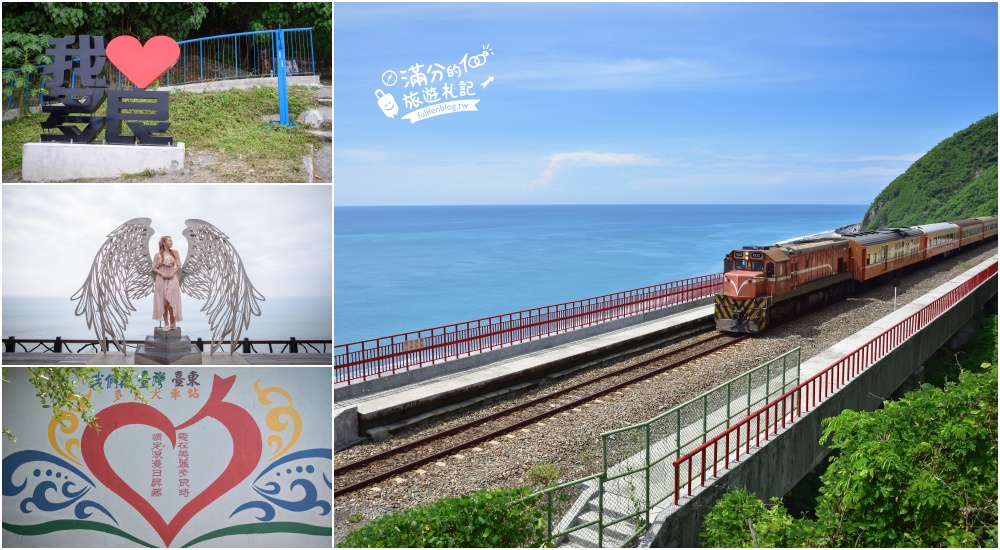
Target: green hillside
<point>956,179</point>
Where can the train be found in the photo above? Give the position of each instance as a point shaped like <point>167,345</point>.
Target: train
<point>765,285</point>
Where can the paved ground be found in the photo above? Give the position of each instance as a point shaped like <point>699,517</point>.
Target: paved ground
<point>323,165</point>
<point>219,358</point>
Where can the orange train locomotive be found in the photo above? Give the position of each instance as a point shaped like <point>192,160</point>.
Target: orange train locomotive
<point>768,284</point>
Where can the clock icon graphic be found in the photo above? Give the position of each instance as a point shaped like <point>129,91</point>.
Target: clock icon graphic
<point>389,78</point>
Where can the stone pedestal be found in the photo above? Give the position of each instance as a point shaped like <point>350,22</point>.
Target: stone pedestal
<point>167,347</point>
<point>51,161</point>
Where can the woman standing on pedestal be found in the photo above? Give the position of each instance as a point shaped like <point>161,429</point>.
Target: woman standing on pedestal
<point>166,290</point>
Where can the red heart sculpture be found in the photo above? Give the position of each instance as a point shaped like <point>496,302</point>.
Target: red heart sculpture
<point>242,428</point>
<point>143,64</point>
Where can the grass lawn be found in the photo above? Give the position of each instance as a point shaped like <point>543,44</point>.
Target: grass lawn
<point>227,123</point>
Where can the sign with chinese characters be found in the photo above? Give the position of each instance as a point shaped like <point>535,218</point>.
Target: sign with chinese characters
<point>220,456</point>
<point>434,89</point>
<point>85,58</point>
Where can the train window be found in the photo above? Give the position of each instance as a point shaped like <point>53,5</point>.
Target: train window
<point>770,269</point>
<point>727,266</point>
<point>741,264</point>
<point>757,265</point>
<point>868,259</point>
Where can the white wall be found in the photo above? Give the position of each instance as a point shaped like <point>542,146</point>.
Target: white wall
<point>46,471</point>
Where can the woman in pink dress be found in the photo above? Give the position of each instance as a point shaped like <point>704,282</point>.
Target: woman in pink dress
<point>166,290</point>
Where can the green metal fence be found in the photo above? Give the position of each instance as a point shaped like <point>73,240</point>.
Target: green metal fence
<point>614,506</point>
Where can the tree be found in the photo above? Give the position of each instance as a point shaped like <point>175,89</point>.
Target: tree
<point>109,19</point>
<point>59,388</point>
<point>179,20</point>
<point>921,472</point>
<point>24,52</point>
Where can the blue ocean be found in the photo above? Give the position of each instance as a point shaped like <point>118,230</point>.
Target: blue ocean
<point>45,317</point>
<point>399,269</point>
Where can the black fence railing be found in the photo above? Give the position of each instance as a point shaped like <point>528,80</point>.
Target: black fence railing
<point>58,345</point>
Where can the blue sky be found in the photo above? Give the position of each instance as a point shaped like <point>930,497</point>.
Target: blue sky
<point>653,103</point>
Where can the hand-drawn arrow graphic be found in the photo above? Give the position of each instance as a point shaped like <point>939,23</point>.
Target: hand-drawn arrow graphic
<point>488,80</point>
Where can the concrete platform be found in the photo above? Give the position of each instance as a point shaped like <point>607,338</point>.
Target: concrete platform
<point>284,359</point>
<point>52,162</point>
<point>449,392</point>
<point>115,358</point>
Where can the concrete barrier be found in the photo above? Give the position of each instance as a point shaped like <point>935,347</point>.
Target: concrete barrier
<point>781,462</point>
<point>49,161</point>
<point>243,83</point>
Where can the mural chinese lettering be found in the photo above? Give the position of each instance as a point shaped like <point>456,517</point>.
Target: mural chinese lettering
<point>202,473</point>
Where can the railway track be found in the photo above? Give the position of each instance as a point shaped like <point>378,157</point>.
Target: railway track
<point>370,470</point>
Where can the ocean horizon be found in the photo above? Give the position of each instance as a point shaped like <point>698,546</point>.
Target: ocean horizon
<point>406,268</point>
<point>45,317</point>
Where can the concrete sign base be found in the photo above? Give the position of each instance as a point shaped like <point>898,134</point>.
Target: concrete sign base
<point>47,162</point>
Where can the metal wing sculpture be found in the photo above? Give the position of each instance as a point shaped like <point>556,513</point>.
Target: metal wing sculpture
<point>213,271</point>
<point>123,271</point>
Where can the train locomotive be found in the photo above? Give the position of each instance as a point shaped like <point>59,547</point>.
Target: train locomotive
<point>763,285</point>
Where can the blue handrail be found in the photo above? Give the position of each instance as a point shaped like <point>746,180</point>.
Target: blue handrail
<point>177,75</point>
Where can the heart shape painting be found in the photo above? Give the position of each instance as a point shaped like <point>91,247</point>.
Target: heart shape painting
<point>143,64</point>
<point>247,449</point>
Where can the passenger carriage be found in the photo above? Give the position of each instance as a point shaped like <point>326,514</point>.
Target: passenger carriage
<point>939,238</point>
<point>970,232</point>
<point>876,253</point>
<point>989,226</point>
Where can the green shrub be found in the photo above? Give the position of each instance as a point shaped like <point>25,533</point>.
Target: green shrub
<point>543,474</point>
<point>741,520</point>
<point>488,518</point>
<point>921,472</point>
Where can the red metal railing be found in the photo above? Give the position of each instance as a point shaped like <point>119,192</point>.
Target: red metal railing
<point>801,399</point>
<point>390,354</point>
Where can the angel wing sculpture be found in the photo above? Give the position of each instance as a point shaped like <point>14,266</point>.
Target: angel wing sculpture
<point>123,271</point>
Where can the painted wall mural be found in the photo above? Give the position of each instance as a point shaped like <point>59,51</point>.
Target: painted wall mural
<point>220,457</point>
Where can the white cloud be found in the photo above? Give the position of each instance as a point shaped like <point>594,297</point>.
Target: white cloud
<point>283,232</point>
<point>587,158</point>
<point>721,71</point>
<point>908,157</point>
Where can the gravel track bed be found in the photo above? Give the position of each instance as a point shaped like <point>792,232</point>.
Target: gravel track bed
<point>620,373</point>
<point>571,440</point>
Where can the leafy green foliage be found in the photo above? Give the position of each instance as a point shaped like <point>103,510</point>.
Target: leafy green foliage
<point>921,472</point>
<point>178,20</point>
<point>956,179</point>
<point>65,389</point>
<point>143,20</point>
<point>946,365</point>
<point>741,520</point>
<point>543,474</point>
<point>22,51</point>
<point>503,518</point>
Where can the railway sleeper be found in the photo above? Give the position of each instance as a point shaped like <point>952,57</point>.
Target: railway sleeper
<point>379,429</point>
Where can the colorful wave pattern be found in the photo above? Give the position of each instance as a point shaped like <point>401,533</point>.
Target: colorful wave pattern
<point>53,488</point>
